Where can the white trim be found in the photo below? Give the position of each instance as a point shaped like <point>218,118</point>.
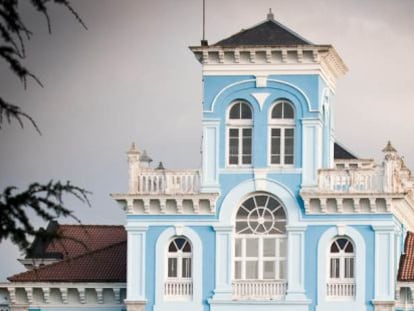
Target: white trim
<point>307,100</point>
<point>261,98</point>
<point>325,241</point>
<point>238,193</point>
<point>160,303</point>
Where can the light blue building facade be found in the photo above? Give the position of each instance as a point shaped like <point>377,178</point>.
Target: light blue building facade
<point>280,216</point>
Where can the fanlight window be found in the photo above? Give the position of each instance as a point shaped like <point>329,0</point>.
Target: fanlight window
<point>282,134</point>
<point>179,258</point>
<point>260,239</point>
<point>179,284</point>
<point>240,134</point>
<point>341,281</point>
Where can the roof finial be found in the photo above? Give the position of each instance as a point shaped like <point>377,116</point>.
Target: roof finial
<point>270,16</point>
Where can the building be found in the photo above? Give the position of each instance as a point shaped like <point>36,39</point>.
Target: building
<point>279,217</point>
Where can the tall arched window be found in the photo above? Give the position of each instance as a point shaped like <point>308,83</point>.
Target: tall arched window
<point>282,133</point>
<point>260,248</point>
<point>240,126</point>
<point>179,283</point>
<point>341,282</point>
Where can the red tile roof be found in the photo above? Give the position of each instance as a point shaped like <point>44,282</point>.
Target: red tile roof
<point>80,239</point>
<point>90,253</point>
<point>406,269</point>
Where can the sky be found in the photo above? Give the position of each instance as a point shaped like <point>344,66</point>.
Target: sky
<point>131,77</point>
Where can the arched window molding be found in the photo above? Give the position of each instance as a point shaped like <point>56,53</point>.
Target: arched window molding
<point>282,133</point>
<point>239,134</point>
<point>260,251</point>
<point>324,245</point>
<point>295,231</point>
<point>163,303</point>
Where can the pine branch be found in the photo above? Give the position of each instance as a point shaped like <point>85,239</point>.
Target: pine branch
<point>45,200</point>
<point>9,112</point>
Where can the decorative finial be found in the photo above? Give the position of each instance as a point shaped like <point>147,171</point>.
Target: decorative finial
<point>389,148</point>
<point>133,149</point>
<point>160,166</point>
<point>270,16</point>
<point>145,158</point>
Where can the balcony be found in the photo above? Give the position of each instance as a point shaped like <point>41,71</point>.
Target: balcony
<point>340,290</point>
<point>361,186</point>
<point>258,289</point>
<point>158,190</point>
<point>178,289</point>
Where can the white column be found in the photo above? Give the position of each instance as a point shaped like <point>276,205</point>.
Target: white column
<point>296,263</point>
<point>136,263</point>
<point>224,250</point>
<point>311,151</point>
<point>210,154</point>
<point>384,263</point>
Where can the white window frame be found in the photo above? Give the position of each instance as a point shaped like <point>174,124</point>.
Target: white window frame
<point>260,258</point>
<point>346,282</point>
<point>281,124</point>
<point>181,287</point>
<point>240,125</point>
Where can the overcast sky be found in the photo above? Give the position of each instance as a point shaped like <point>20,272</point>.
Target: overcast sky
<point>131,77</point>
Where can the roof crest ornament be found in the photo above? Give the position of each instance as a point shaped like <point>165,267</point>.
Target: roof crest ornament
<point>270,16</point>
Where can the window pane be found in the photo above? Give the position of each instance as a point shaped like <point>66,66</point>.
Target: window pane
<point>288,111</point>
<point>269,248</point>
<point>186,268</point>
<point>172,267</point>
<point>349,268</point>
<point>341,243</point>
<point>172,248</point>
<point>252,247</point>
<point>268,270</point>
<point>233,160</point>
<point>247,145</point>
<point>282,247</point>
<point>247,159</point>
<point>238,251</point>
<point>187,248</point>
<point>246,113</point>
<point>275,159</point>
<point>251,270</point>
<point>334,269</point>
<point>235,111</point>
<point>349,248</point>
<point>334,248</point>
<point>277,111</point>
<point>237,270</point>
<point>179,242</point>
<point>282,270</point>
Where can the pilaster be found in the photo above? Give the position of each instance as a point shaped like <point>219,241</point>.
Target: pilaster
<point>210,156</point>
<point>296,263</point>
<point>223,289</point>
<point>136,265</point>
<point>384,266</point>
<point>311,151</point>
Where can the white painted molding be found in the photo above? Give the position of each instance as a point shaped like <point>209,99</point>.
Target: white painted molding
<point>261,98</point>
<point>324,245</point>
<point>161,247</point>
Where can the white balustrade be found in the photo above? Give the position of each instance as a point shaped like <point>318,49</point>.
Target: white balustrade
<point>168,182</point>
<point>178,289</point>
<point>358,180</point>
<point>259,289</point>
<point>340,289</point>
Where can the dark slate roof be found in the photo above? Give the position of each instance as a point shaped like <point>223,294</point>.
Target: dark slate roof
<point>270,32</point>
<point>340,153</point>
<point>406,268</point>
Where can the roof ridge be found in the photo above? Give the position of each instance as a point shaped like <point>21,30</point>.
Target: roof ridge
<point>68,259</point>
<point>291,31</point>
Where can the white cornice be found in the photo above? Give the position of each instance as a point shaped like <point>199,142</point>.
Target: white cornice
<point>302,59</point>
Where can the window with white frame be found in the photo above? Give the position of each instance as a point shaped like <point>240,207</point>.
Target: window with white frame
<point>179,269</point>
<point>341,276</point>
<point>282,133</point>
<point>239,133</point>
<point>260,243</point>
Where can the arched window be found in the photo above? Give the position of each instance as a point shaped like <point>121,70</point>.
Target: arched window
<point>341,282</point>
<point>260,252</point>
<point>282,133</point>
<point>240,126</point>
<point>179,269</point>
